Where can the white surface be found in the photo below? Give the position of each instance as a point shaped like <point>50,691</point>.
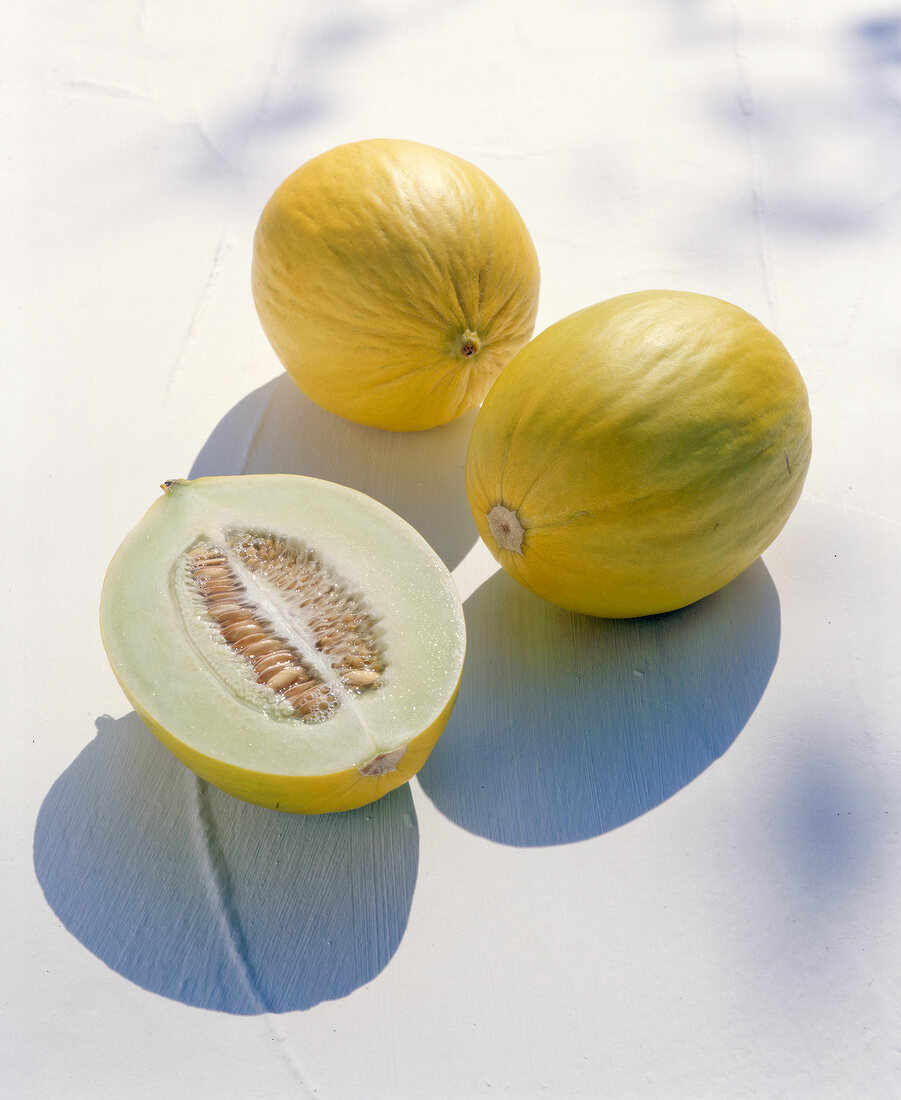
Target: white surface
<point>647,859</point>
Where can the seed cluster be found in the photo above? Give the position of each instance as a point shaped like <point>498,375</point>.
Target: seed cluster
<point>339,625</point>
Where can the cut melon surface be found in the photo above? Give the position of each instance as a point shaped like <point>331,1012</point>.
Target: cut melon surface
<point>290,640</point>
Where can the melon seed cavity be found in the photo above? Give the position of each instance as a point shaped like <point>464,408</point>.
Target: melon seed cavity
<point>295,626</point>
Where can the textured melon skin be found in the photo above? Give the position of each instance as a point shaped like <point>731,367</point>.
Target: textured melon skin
<point>279,763</point>
<point>394,281</point>
<point>652,446</point>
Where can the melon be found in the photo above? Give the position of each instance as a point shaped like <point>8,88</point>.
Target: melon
<point>291,641</point>
<point>639,454</point>
<point>394,281</point>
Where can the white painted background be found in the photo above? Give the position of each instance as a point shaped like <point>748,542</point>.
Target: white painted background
<point>647,859</point>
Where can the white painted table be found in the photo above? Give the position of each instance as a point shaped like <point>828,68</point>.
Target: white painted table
<point>648,859</point>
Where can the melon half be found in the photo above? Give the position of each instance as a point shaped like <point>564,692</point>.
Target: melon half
<point>292,641</point>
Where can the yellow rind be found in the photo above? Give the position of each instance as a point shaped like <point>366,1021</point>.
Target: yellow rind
<point>651,446</point>
<point>300,794</point>
<point>374,263</point>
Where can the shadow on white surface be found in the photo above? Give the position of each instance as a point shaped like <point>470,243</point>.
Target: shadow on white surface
<point>210,901</point>
<point>419,475</point>
<point>568,726</point>
<point>827,140</point>
<point>288,91</point>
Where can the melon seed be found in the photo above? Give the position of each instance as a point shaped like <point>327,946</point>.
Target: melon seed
<point>295,626</point>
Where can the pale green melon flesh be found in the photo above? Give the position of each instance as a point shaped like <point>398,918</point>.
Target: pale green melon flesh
<point>156,641</point>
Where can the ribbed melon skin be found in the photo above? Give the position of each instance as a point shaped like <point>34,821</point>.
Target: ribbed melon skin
<point>374,266</point>
<point>652,446</point>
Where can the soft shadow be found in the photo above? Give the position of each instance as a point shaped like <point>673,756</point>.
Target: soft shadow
<point>210,901</point>
<point>826,819</point>
<point>568,726</point>
<point>419,475</point>
<point>300,93</point>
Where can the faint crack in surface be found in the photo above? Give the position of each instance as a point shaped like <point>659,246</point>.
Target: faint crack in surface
<point>223,249</point>
<point>217,880</point>
<point>749,111</point>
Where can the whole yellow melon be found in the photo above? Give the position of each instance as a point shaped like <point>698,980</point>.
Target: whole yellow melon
<point>639,454</point>
<point>394,281</point>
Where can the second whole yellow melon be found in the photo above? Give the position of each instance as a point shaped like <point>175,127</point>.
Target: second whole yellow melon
<point>394,281</point>
<point>640,454</point>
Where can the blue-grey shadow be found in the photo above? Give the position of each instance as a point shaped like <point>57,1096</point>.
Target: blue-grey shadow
<point>419,475</point>
<point>567,726</point>
<point>878,38</point>
<point>213,902</point>
<point>294,101</point>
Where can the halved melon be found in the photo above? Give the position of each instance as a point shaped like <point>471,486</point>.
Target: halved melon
<point>290,640</point>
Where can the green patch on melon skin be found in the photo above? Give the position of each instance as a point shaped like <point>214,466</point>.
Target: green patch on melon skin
<point>206,706</point>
